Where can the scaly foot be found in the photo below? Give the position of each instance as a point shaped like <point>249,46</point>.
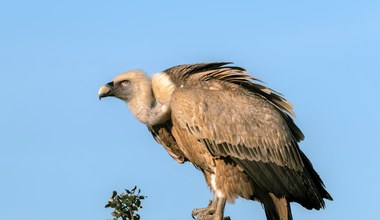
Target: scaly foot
<point>214,211</point>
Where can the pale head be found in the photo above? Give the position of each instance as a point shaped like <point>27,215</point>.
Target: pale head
<point>126,86</point>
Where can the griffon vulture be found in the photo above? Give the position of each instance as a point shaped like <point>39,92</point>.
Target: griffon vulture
<point>239,133</point>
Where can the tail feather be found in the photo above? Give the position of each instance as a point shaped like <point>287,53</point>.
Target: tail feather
<point>276,208</point>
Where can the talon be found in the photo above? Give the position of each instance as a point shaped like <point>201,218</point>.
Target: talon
<point>214,210</point>
<point>202,212</point>
<point>209,203</point>
<point>194,213</point>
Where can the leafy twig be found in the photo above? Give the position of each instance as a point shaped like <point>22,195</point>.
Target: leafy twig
<point>126,204</point>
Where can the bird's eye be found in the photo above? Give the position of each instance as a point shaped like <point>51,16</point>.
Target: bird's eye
<point>125,83</point>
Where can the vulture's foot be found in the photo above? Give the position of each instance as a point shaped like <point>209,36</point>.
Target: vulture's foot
<point>214,211</point>
<point>208,211</point>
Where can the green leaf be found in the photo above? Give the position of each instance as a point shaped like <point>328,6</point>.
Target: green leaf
<point>114,193</point>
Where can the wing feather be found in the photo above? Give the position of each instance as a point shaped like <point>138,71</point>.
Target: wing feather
<point>244,127</point>
<point>163,136</point>
<point>193,74</point>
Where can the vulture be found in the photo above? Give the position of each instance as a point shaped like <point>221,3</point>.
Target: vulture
<point>239,133</point>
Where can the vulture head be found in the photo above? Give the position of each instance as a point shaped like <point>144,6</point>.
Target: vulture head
<point>126,86</point>
<point>149,103</point>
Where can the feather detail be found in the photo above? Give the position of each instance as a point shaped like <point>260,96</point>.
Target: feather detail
<point>162,87</point>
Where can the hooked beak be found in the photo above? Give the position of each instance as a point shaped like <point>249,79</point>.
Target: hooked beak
<point>105,90</point>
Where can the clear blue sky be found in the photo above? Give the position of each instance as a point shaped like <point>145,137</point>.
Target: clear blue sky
<point>62,151</point>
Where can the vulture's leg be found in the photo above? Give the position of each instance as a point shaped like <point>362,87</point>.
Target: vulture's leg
<point>214,210</point>
<point>219,212</point>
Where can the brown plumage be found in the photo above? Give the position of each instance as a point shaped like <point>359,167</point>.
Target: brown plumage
<point>239,133</point>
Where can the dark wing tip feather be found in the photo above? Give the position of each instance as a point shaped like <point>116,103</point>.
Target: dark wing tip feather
<point>316,178</point>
